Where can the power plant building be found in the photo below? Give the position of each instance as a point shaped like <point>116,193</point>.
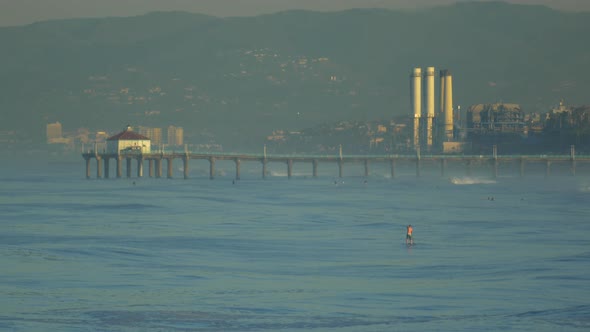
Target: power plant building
<point>433,131</point>
<point>446,95</point>
<point>495,118</point>
<point>429,107</point>
<point>416,87</point>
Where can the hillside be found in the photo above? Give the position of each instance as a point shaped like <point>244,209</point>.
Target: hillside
<point>239,78</point>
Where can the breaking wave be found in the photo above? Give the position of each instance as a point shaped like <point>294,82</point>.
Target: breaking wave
<point>470,180</point>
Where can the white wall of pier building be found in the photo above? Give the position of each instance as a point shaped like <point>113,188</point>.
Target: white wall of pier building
<point>135,145</point>
<point>128,141</point>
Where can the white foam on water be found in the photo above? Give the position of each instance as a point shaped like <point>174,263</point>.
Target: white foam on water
<point>470,180</point>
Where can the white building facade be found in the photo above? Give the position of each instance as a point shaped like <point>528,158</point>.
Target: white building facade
<point>128,141</point>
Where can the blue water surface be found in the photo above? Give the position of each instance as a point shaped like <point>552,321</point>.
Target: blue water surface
<point>299,254</point>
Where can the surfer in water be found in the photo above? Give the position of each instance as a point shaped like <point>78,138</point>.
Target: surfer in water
<point>409,238</point>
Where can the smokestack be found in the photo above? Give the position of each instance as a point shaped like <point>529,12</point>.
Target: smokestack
<point>440,118</point>
<point>416,81</point>
<point>429,105</point>
<point>448,105</point>
<point>443,73</point>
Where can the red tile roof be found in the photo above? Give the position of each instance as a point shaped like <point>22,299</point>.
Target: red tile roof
<point>127,135</point>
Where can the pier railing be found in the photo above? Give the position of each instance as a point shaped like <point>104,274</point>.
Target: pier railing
<point>155,161</point>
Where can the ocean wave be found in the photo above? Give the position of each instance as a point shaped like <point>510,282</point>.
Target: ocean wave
<point>110,207</point>
<point>124,206</point>
<point>470,180</point>
<point>573,316</point>
<point>78,207</point>
<point>27,253</point>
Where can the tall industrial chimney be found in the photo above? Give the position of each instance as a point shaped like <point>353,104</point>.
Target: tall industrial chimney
<point>416,81</point>
<point>448,105</point>
<point>441,111</point>
<point>429,105</point>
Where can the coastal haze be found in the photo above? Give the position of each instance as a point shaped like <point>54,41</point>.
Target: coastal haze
<point>18,12</point>
<point>234,81</point>
<point>281,196</point>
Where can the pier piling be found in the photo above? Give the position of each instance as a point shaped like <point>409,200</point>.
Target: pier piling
<point>98,168</point>
<point>495,162</point>
<point>315,168</point>
<point>87,167</point>
<point>185,170</point>
<point>470,161</point>
<point>106,167</point>
<point>170,170</point>
<point>159,168</point>
<point>211,168</point>
<point>128,167</point>
<point>573,160</point>
<point>139,167</point>
<point>289,168</point>
<point>119,166</point>
<point>237,162</point>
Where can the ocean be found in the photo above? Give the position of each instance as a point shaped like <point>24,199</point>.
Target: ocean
<point>299,254</point>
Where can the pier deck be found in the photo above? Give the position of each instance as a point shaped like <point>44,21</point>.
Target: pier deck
<point>155,161</point>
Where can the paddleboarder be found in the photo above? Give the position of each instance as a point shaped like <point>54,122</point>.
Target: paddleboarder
<point>409,238</point>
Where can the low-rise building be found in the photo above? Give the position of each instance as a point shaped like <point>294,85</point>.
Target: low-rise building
<point>128,141</point>
<point>54,133</point>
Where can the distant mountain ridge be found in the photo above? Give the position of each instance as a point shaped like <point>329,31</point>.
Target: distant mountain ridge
<point>241,77</point>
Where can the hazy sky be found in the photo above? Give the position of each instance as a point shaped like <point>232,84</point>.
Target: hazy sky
<point>19,12</point>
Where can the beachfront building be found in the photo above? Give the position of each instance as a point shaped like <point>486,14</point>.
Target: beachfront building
<point>128,141</point>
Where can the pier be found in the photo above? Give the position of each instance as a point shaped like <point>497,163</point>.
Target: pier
<point>155,162</point>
